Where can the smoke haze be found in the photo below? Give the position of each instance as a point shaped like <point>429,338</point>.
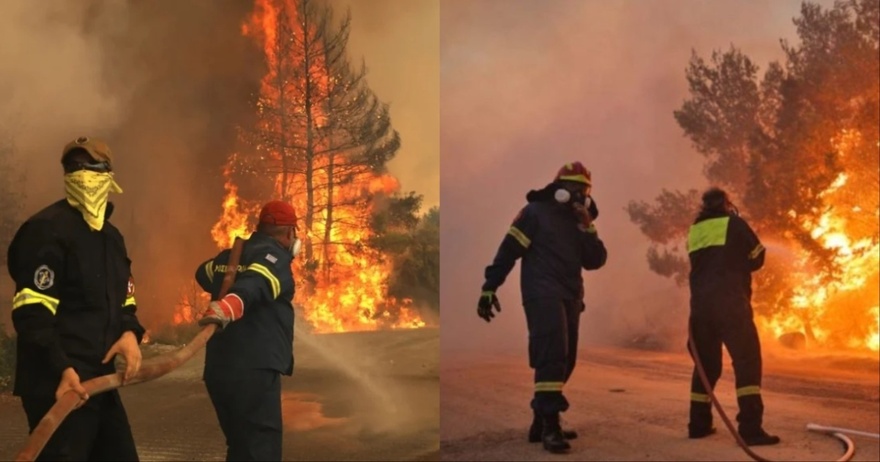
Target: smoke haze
<point>529,86</point>
<point>166,84</point>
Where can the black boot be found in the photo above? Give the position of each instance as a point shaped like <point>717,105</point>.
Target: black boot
<point>760,438</point>
<point>552,435</point>
<point>537,430</point>
<point>700,425</point>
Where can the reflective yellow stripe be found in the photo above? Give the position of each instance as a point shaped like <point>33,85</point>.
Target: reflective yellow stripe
<point>273,281</point>
<point>129,302</point>
<point>209,270</point>
<point>578,178</point>
<point>700,397</point>
<point>548,386</point>
<point>592,228</point>
<point>520,237</point>
<point>749,390</point>
<point>707,233</point>
<point>756,251</point>
<point>28,297</point>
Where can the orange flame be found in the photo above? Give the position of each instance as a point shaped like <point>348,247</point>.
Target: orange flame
<point>349,291</point>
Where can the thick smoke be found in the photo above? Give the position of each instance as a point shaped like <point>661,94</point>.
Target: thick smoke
<point>528,86</point>
<point>165,83</point>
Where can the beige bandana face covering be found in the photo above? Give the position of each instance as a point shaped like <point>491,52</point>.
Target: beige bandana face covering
<point>88,192</point>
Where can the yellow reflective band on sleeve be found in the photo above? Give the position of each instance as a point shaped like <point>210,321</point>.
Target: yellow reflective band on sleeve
<point>700,397</point>
<point>520,237</point>
<point>129,302</point>
<point>273,281</point>
<point>749,390</point>
<point>209,270</point>
<point>756,251</point>
<point>29,297</point>
<point>707,233</point>
<point>548,386</point>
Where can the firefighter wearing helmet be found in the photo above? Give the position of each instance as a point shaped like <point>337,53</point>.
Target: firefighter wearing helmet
<point>723,252</point>
<point>556,239</point>
<point>74,310</point>
<point>253,346</point>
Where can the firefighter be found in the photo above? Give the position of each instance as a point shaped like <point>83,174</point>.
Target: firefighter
<point>74,310</point>
<point>556,238</point>
<point>253,347</point>
<point>723,252</point>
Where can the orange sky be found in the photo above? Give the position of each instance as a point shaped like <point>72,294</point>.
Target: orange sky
<point>527,86</point>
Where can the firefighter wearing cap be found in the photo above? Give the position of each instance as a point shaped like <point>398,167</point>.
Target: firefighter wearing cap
<point>556,238</point>
<point>723,252</point>
<point>254,343</point>
<point>74,309</point>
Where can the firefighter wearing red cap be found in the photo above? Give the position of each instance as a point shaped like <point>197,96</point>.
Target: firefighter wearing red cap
<point>556,239</point>
<point>253,346</point>
<point>74,309</point>
<point>723,252</point>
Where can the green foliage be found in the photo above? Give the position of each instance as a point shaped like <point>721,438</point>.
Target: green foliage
<point>412,242</point>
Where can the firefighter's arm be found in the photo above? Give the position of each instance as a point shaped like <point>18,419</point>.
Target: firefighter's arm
<point>753,247</point>
<point>208,276</point>
<point>36,264</point>
<point>593,252</point>
<point>514,246</point>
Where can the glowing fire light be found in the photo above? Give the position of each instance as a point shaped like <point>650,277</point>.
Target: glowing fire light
<point>826,309</point>
<point>350,288</point>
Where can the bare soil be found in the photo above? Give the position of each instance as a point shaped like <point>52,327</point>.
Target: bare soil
<point>629,404</point>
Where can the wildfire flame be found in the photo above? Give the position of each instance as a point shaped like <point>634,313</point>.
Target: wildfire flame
<point>349,292</point>
<point>842,310</point>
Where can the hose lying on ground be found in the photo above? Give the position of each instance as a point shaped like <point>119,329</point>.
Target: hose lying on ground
<point>152,368</point>
<point>849,446</point>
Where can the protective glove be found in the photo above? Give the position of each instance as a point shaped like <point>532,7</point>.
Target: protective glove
<point>223,311</point>
<point>484,307</point>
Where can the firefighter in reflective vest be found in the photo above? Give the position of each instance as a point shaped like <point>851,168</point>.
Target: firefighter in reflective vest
<point>254,343</point>
<point>723,252</point>
<point>74,310</point>
<point>556,238</point>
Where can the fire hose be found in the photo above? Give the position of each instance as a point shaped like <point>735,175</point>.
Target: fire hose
<point>849,446</point>
<point>150,369</point>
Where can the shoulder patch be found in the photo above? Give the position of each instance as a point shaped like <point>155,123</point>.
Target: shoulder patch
<point>130,292</point>
<point>44,277</point>
<point>272,258</point>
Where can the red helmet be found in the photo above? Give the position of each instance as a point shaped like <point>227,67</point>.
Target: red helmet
<point>278,213</point>
<point>575,171</point>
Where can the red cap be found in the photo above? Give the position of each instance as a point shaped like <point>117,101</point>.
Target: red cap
<point>278,213</point>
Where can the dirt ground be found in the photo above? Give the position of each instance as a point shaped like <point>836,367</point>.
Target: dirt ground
<point>354,396</point>
<point>631,404</point>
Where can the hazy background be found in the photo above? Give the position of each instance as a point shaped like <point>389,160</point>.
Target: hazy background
<point>528,86</point>
<point>166,83</point>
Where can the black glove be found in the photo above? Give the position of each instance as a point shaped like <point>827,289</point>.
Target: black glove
<point>484,307</point>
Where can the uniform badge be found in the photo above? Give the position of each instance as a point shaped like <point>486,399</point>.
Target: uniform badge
<point>44,277</point>
<point>130,292</point>
<point>271,258</point>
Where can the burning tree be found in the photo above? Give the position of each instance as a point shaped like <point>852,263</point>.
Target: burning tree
<point>799,149</point>
<point>322,142</point>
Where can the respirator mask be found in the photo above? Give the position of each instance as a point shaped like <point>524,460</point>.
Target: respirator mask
<point>295,247</point>
<point>564,196</point>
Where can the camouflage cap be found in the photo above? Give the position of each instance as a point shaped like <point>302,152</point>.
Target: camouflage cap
<point>95,147</point>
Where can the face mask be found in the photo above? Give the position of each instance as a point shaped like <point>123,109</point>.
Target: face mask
<point>88,191</point>
<point>564,196</point>
<point>295,247</point>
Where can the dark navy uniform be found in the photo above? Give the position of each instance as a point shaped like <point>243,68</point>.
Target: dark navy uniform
<point>74,299</point>
<point>554,251</point>
<point>244,361</point>
<point>724,251</point>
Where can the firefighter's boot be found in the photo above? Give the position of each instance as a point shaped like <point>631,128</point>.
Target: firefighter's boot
<point>700,425</point>
<point>537,430</point>
<point>552,435</point>
<point>750,418</point>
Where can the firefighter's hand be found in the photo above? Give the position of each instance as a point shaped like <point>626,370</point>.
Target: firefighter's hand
<point>488,300</point>
<point>70,381</point>
<point>126,346</point>
<point>223,311</point>
<point>583,213</point>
